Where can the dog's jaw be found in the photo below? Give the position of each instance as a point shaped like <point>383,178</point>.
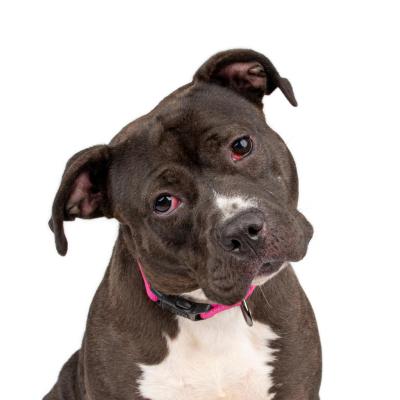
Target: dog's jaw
<point>199,296</point>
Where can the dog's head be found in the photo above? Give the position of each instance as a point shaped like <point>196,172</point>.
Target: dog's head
<point>205,192</point>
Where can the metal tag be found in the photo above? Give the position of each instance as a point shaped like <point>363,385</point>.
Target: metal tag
<point>246,313</point>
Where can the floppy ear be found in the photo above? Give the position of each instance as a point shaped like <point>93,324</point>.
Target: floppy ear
<point>82,192</point>
<point>247,72</point>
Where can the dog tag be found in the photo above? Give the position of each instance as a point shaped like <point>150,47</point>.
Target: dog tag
<point>246,313</point>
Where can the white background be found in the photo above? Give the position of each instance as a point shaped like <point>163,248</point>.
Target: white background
<point>73,73</point>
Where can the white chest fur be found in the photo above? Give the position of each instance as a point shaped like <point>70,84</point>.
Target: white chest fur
<point>219,358</point>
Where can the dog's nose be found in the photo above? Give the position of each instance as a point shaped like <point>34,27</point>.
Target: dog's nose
<point>242,233</point>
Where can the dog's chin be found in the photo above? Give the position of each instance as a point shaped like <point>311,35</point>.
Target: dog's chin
<point>237,292</point>
<point>267,271</point>
<point>228,295</point>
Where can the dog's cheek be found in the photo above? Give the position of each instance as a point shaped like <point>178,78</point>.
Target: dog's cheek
<point>296,236</point>
<point>307,228</point>
<point>199,247</point>
<point>307,232</point>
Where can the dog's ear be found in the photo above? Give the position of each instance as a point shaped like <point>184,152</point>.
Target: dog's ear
<point>247,72</point>
<point>82,192</point>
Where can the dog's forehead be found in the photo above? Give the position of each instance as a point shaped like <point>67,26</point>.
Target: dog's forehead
<point>188,114</point>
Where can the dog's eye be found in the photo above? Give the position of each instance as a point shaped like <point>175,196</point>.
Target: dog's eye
<point>166,203</point>
<point>241,148</point>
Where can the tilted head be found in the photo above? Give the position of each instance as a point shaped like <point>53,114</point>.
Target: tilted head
<point>205,192</point>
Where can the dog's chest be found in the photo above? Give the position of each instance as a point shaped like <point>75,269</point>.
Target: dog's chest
<point>220,358</point>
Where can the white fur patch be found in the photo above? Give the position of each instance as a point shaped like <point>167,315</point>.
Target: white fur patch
<point>219,358</point>
<point>229,206</point>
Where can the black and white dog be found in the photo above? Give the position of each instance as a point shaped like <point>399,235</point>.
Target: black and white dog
<point>205,193</point>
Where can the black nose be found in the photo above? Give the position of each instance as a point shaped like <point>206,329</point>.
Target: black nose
<point>242,233</point>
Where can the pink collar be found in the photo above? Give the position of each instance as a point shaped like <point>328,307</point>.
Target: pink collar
<point>192,310</point>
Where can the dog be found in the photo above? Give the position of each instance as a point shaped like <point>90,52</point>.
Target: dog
<point>199,300</point>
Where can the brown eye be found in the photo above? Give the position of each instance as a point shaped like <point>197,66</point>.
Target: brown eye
<point>241,148</point>
<point>166,203</point>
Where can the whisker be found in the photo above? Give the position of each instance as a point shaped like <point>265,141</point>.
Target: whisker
<point>265,297</point>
